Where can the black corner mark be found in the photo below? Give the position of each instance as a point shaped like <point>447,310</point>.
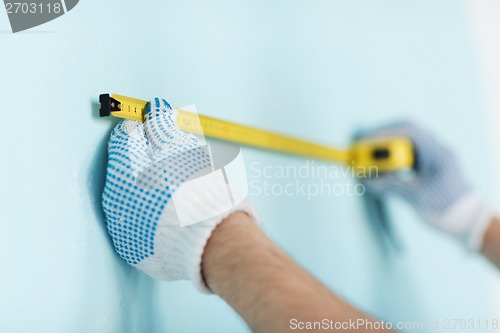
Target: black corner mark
<point>24,15</point>
<point>70,4</point>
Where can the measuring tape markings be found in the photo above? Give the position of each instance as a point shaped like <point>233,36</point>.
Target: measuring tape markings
<point>391,154</point>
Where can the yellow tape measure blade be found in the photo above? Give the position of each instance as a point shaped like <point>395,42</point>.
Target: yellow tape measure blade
<point>390,154</point>
<point>130,108</point>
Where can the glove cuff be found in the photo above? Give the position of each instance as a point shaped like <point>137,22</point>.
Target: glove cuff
<point>178,251</point>
<point>196,275</point>
<point>208,199</point>
<point>468,220</point>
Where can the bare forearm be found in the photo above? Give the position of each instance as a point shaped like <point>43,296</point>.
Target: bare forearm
<point>263,284</point>
<point>491,244</point>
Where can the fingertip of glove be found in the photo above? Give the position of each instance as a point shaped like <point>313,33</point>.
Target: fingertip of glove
<point>157,106</point>
<point>159,110</point>
<point>160,125</point>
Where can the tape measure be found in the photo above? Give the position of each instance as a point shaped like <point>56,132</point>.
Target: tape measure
<point>387,154</point>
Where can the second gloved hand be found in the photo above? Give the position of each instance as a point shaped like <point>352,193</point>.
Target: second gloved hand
<point>438,191</point>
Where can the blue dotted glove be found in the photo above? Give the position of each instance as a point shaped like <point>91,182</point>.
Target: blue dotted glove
<point>159,186</point>
<point>438,190</point>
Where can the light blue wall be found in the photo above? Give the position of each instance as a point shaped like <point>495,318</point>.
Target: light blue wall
<point>315,69</point>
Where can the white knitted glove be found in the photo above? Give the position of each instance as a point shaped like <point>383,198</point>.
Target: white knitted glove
<point>438,191</point>
<point>162,199</point>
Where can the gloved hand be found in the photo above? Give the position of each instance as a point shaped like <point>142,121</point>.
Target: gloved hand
<point>438,190</point>
<point>152,208</point>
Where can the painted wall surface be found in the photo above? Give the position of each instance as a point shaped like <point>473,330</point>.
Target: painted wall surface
<point>315,69</point>
<point>483,17</point>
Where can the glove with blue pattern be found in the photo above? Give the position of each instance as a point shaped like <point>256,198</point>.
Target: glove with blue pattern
<point>438,190</point>
<point>158,212</point>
